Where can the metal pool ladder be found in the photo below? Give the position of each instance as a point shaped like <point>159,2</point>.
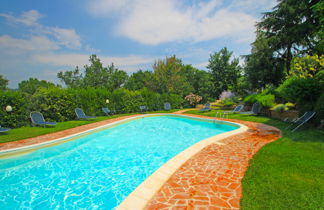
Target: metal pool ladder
<point>222,115</point>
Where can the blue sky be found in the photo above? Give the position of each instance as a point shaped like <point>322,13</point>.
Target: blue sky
<point>39,38</point>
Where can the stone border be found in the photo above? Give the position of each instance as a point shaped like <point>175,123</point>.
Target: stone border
<point>140,197</point>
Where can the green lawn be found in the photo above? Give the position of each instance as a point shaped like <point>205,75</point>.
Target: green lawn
<point>287,173</point>
<point>28,132</point>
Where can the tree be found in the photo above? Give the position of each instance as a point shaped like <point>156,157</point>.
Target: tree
<point>261,67</point>
<point>225,71</point>
<point>95,75</point>
<point>307,66</point>
<point>139,80</point>
<point>3,83</point>
<point>200,81</point>
<point>291,28</point>
<point>168,77</point>
<point>32,84</point>
<point>71,79</point>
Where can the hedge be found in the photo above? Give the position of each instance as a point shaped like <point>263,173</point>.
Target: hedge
<point>58,104</point>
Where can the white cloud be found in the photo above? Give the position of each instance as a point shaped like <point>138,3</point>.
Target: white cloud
<point>62,36</point>
<point>66,37</point>
<point>154,21</point>
<point>28,18</point>
<point>35,43</point>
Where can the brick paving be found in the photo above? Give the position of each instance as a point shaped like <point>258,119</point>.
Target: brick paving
<point>212,178</point>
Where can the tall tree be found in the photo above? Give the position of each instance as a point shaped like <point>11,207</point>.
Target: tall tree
<point>200,81</point>
<point>139,80</point>
<point>71,79</point>
<point>291,28</point>
<point>168,77</point>
<point>3,83</point>
<point>261,67</point>
<point>95,75</point>
<point>225,71</point>
<point>32,84</point>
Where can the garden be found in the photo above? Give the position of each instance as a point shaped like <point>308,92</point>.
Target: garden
<point>284,73</point>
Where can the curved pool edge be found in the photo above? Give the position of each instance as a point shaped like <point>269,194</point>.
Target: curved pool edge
<point>147,189</point>
<point>140,197</point>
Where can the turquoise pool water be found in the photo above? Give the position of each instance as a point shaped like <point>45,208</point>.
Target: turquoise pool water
<point>98,171</point>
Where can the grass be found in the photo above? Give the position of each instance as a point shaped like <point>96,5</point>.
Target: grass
<point>287,173</point>
<point>29,132</point>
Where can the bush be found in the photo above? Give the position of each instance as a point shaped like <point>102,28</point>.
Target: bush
<point>151,99</point>
<point>55,104</point>
<point>193,99</point>
<point>266,100</point>
<point>91,100</point>
<point>175,100</point>
<point>250,99</point>
<point>19,114</point>
<point>302,91</point>
<point>282,107</point>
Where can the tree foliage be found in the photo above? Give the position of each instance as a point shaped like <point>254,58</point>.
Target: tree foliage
<point>139,80</point>
<point>168,77</point>
<point>307,66</point>
<point>261,67</point>
<point>95,75</point>
<point>225,71</point>
<point>291,28</point>
<point>3,83</point>
<point>32,84</point>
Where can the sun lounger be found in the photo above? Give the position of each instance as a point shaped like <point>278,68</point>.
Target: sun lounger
<point>38,119</point>
<point>81,115</point>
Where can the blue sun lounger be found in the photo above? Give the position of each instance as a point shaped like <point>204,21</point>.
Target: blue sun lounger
<point>38,119</point>
<point>207,107</point>
<point>4,129</point>
<point>143,108</point>
<point>255,109</point>
<point>236,109</point>
<point>167,106</point>
<point>107,111</point>
<point>81,115</point>
<point>302,120</point>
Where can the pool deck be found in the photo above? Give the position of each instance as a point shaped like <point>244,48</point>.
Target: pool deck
<point>211,179</point>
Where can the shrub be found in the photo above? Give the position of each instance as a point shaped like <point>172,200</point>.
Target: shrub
<point>151,99</point>
<point>228,102</point>
<point>302,91</point>
<point>19,114</point>
<point>250,99</point>
<point>193,99</point>
<point>125,101</point>
<point>55,104</point>
<point>226,94</point>
<point>266,100</point>
<point>91,100</point>
<point>175,100</point>
<point>282,107</point>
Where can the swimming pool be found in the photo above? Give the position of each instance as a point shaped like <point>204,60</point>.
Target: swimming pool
<point>101,169</point>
